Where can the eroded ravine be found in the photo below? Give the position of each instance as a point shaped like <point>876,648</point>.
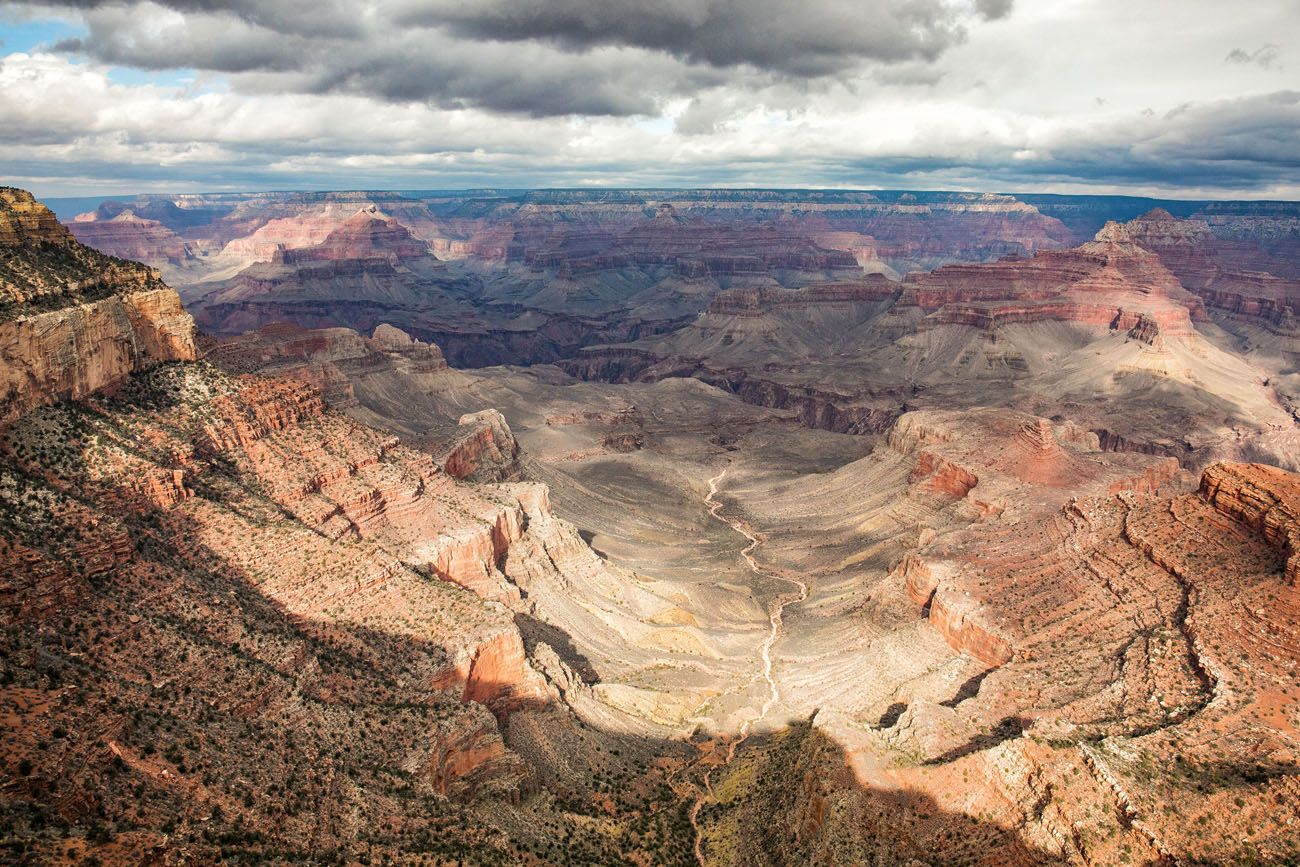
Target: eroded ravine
<point>776,616</point>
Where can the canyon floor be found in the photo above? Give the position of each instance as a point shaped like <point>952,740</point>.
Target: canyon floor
<point>946,638</point>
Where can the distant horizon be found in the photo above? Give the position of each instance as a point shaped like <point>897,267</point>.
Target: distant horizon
<point>395,190</point>
<point>1068,97</point>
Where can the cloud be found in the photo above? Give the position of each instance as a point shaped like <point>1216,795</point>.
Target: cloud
<point>808,39</point>
<point>150,36</point>
<point>71,120</point>
<point>524,79</point>
<point>288,17</point>
<point>992,10</point>
<point>409,65</point>
<point>908,75</point>
<point>372,93</point>
<point>543,57</point>
<point>1265,56</point>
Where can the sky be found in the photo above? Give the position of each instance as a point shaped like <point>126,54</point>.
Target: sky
<point>1175,98</point>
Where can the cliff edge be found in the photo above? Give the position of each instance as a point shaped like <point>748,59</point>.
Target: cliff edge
<point>73,320</point>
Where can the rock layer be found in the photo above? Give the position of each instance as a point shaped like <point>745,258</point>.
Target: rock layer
<point>76,321</point>
<point>1264,498</point>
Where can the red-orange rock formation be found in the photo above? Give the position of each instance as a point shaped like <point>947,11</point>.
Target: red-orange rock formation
<point>1264,498</point>
<point>75,321</point>
<point>128,236</point>
<point>936,474</point>
<point>485,450</point>
<point>963,624</point>
<point>286,233</point>
<point>328,358</point>
<point>254,536</point>
<point>1204,658</point>
<point>42,266</point>
<point>1108,283</point>
<point>1231,276</point>
<point>367,235</point>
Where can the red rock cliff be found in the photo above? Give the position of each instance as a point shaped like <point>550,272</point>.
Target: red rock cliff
<point>72,320</point>
<point>1263,498</point>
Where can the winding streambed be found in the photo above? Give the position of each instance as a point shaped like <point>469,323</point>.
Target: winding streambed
<point>776,615</point>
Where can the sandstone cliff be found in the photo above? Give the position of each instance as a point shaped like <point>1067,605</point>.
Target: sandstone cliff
<point>1235,277</point>
<point>484,450</point>
<point>75,321</point>
<point>1264,498</point>
<point>129,236</point>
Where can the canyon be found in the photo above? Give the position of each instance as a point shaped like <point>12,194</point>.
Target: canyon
<point>650,527</point>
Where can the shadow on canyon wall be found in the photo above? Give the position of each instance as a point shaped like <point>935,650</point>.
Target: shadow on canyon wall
<point>263,730</point>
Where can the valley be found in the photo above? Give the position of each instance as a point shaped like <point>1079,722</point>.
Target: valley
<point>650,527</point>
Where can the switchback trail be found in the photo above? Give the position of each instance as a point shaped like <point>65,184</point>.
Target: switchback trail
<point>776,615</point>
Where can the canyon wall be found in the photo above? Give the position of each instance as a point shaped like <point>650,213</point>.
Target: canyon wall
<point>1264,498</point>
<point>75,322</point>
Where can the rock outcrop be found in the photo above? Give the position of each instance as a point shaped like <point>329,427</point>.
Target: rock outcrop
<point>1264,498</point>
<point>42,267</point>
<point>73,352</point>
<point>484,450</point>
<point>369,234</point>
<point>1230,274</point>
<point>330,359</point>
<point>1110,282</point>
<point>230,565</point>
<point>422,357</point>
<point>128,236</point>
<point>264,556</point>
<point>75,321</point>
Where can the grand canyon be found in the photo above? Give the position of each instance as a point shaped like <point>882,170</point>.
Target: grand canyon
<point>852,433</point>
<point>724,528</point>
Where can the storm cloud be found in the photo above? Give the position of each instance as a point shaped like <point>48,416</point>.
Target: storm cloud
<point>614,57</point>
<point>810,38</point>
<point>975,94</point>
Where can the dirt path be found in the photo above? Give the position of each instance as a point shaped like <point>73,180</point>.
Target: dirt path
<point>776,615</point>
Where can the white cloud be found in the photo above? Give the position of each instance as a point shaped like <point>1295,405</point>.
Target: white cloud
<point>1052,95</point>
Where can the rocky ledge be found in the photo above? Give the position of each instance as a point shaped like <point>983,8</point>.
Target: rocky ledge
<point>1265,499</point>
<point>72,320</point>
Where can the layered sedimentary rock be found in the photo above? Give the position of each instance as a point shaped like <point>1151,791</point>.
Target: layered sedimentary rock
<point>762,301</point>
<point>298,577</point>
<point>75,321</point>
<point>423,357</point>
<point>1000,623</point>
<point>485,450</point>
<point>1263,498</point>
<point>369,234</point>
<point>580,269</point>
<point>1107,283</point>
<point>1200,662</point>
<point>586,230</point>
<point>1084,329</point>
<point>129,236</point>
<point>72,352</point>
<point>43,267</point>
<point>1231,275</point>
<point>262,605</point>
<point>272,611</point>
<point>331,359</point>
<point>1073,647</point>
